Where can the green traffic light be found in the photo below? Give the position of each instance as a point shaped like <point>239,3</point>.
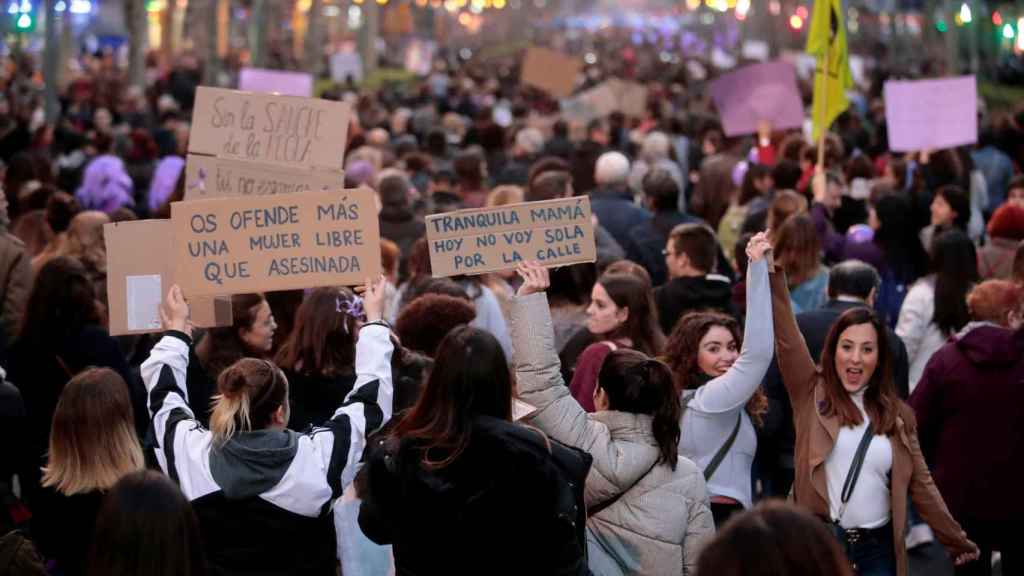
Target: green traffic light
<point>24,22</point>
<point>941,26</point>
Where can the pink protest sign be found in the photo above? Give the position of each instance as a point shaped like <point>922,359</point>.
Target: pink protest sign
<point>276,81</point>
<point>756,93</point>
<point>931,114</point>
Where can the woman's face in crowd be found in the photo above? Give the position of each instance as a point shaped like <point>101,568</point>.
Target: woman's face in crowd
<point>857,356</point>
<point>260,336</point>
<point>717,351</point>
<point>1015,196</point>
<point>942,212</point>
<point>603,316</point>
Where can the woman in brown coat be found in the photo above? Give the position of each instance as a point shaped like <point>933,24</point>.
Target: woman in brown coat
<point>833,408</point>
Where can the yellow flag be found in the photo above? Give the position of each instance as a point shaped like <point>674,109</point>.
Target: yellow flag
<point>827,38</point>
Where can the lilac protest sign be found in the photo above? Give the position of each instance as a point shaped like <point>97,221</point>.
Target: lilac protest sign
<point>276,81</point>
<point>931,114</point>
<point>760,92</point>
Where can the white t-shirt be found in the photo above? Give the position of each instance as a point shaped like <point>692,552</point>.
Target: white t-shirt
<point>869,505</point>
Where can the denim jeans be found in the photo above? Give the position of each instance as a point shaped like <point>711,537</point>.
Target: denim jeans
<point>870,553</point>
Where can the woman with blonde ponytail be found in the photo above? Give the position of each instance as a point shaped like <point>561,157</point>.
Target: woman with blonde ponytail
<point>647,506</point>
<point>263,493</point>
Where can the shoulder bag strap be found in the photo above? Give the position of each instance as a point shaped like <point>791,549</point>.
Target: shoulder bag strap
<point>720,455</point>
<point>854,472</point>
<point>595,510</point>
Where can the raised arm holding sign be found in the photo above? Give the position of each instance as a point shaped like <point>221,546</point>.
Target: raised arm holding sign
<point>262,244</point>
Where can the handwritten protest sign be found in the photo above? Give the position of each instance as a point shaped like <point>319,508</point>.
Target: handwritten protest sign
<point>282,130</point>
<point>551,71</point>
<point>630,97</point>
<point>209,177</point>
<point>282,242</point>
<point>276,82</point>
<point>931,114</point>
<point>554,232</point>
<point>140,270</point>
<point>755,93</point>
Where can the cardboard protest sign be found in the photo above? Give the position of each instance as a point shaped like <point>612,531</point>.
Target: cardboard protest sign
<point>282,242</point>
<point>597,102</point>
<point>140,271</point>
<point>209,177</point>
<point>282,130</point>
<point>276,82</point>
<point>760,92</point>
<point>551,71</point>
<point>630,97</point>
<point>554,232</point>
<point>931,114</point>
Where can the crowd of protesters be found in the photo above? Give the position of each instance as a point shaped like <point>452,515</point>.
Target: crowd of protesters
<point>756,326</point>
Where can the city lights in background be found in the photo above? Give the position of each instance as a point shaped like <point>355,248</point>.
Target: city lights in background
<point>742,9</point>
<point>965,13</point>
<point>796,22</point>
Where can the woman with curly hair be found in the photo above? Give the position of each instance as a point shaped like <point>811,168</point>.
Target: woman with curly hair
<point>720,387</point>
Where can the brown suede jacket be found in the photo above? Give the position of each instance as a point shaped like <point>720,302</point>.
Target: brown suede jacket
<point>816,435</point>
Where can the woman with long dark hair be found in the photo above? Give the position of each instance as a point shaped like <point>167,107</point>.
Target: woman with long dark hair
<point>858,460</point>
<point>61,335</point>
<point>936,306</point>
<point>262,492</point>
<point>146,528</point>
<point>647,506</point>
<point>720,387</point>
<point>950,209</point>
<point>621,314</point>
<point>320,355</point>
<point>895,251</point>
<point>457,469</point>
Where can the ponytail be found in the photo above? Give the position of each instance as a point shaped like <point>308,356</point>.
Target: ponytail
<point>251,391</point>
<point>641,385</point>
<point>665,425</point>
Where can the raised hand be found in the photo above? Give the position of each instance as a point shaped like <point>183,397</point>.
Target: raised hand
<point>535,278</point>
<point>961,559</point>
<point>175,313</point>
<point>373,298</point>
<point>758,246</point>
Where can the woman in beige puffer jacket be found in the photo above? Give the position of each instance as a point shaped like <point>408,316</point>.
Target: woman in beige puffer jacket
<point>648,507</point>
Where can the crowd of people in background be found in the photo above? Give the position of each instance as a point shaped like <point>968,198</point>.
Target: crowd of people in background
<point>756,327</point>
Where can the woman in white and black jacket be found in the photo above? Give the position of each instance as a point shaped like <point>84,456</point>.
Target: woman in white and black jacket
<point>262,492</point>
